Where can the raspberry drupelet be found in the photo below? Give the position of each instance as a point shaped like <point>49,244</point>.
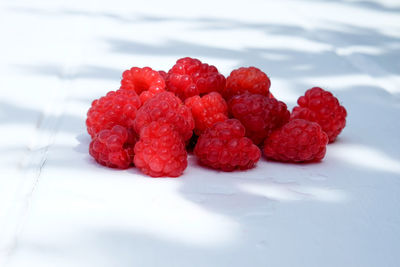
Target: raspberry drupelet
<point>163,74</point>
<point>113,148</point>
<point>224,147</point>
<point>116,108</point>
<point>297,141</point>
<point>160,151</point>
<point>146,82</point>
<point>190,77</point>
<point>207,110</point>
<point>259,114</point>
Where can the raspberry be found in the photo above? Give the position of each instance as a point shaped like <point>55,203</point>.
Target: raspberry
<point>113,148</point>
<point>189,77</point>
<point>259,114</point>
<point>250,79</point>
<point>116,108</point>
<point>297,141</point>
<point>163,74</point>
<point>207,110</point>
<point>166,107</point>
<point>160,151</point>
<point>223,146</point>
<point>322,107</point>
<point>146,82</point>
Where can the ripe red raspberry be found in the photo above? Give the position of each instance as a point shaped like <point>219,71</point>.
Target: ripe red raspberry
<point>113,148</point>
<point>166,107</point>
<point>163,74</point>
<point>223,146</point>
<point>189,77</point>
<point>160,151</point>
<point>207,110</point>
<point>250,79</point>
<point>297,141</point>
<point>322,107</point>
<point>259,114</point>
<point>116,108</point>
<point>145,81</point>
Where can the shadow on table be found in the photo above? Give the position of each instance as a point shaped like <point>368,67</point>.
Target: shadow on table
<point>322,208</point>
<point>79,72</point>
<point>13,114</point>
<point>372,5</point>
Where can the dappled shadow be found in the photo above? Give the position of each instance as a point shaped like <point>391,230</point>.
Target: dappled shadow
<point>348,36</point>
<point>110,246</point>
<point>243,220</point>
<point>307,209</point>
<point>373,5</point>
<point>79,72</point>
<point>370,119</point>
<point>284,63</point>
<point>14,114</point>
<point>125,247</point>
<point>235,194</point>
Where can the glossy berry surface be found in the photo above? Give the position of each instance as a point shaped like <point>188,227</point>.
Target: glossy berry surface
<point>246,79</point>
<point>160,151</point>
<point>322,107</point>
<point>207,110</point>
<point>116,108</point>
<point>297,141</point>
<point>190,77</point>
<point>168,108</point>
<point>224,147</point>
<point>163,74</point>
<point>146,82</point>
<point>259,114</point>
<point>113,148</point>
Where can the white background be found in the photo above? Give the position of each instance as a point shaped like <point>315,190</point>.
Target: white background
<point>59,208</point>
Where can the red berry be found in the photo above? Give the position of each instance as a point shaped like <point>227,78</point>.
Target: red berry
<point>259,114</point>
<point>322,107</point>
<point>160,151</point>
<point>223,146</point>
<point>207,110</point>
<point>297,141</point>
<point>166,107</point>
<point>113,148</point>
<point>250,79</point>
<point>116,108</point>
<point>163,74</point>
<point>146,82</point>
<point>190,77</point>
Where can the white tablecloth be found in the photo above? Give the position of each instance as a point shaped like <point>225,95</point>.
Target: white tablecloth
<point>59,208</point>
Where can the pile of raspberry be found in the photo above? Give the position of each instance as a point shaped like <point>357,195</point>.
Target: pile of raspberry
<point>156,118</point>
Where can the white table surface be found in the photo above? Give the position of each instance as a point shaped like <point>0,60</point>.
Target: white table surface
<point>59,208</point>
